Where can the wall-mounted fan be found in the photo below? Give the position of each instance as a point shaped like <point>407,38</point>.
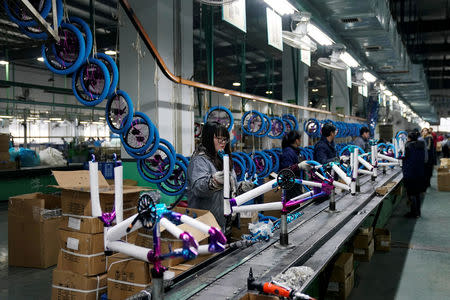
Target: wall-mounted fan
<point>216,2</point>
<point>297,37</point>
<point>334,62</point>
<point>358,79</point>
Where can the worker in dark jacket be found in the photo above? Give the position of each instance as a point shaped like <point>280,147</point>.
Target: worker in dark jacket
<point>325,149</point>
<point>362,140</point>
<point>292,159</point>
<point>414,172</point>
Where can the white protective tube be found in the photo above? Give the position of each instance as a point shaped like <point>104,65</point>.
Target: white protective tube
<point>194,223</point>
<point>385,157</point>
<point>95,198</point>
<point>170,227</point>
<point>341,186</point>
<point>118,193</point>
<point>226,185</point>
<point>203,249</point>
<point>396,145</point>
<point>354,171</point>
<point>365,163</point>
<point>312,183</point>
<point>374,159</point>
<point>388,164</point>
<point>262,189</point>
<point>365,172</point>
<point>129,249</point>
<point>341,174</point>
<point>258,207</point>
<point>303,196</point>
<point>118,231</point>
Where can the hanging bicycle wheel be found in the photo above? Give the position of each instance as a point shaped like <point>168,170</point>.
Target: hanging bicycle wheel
<point>152,148</point>
<point>267,127</point>
<point>158,167</point>
<point>138,137</point>
<point>197,129</point>
<point>263,164</point>
<point>177,181</point>
<point>249,164</point>
<point>288,125</point>
<point>220,114</point>
<point>86,32</point>
<point>66,56</point>
<point>90,83</point>
<point>291,118</point>
<point>252,122</point>
<point>112,69</point>
<point>277,130</point>
<point>19,15</point>
<point>239,169</point>
<point>312,127</point>
<point>119,112</point>
<point>36,31</point>
<point>275,160</point>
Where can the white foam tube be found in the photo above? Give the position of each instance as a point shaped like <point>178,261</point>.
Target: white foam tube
<point>129,249</point>
<point>354,171</point>
<point>262,189</point>
<point>341,174</point>
<point>312,183</point>
<point>194,223</point>
<point>385,157</point>
<point>226,184</point>
<point>319,175</point>
<point>203,249</point>
<point>118,231</point>
<point>389,164</point>
<point>95,198</point>
<point>170,227</point>
<point>365,154</point>
<point>258,207</point>
<point>118,193</point>
<point>365,163</point>
<point>374,159</point>
<point>341,186</point>
<point>365,172</point>
<point>303,196</point>
<point>396,145</point>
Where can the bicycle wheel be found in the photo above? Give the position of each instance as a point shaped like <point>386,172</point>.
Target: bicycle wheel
<point>138,137</point>
<point>20,16</point>
<point>263,164</point>
<point>158,167</point>
<point>277,131</point>
<point>177,181</point>
<point>291,118</point>
<point>267,127</point>
<point>36,31</point>
<point>119,112</point>
<point>220,114</point>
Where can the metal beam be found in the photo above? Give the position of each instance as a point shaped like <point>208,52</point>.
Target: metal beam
<point>49,104</point>
<point>52,32</point>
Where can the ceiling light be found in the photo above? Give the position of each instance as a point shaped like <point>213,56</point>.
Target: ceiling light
<point>236,84</point>
<point>320,37</point>
<point>349,60</point>
<point>110,52</point>
<point>46,121</point>
<point>369,77</point>
<point>6,117</point>
<point>84,122</point>
<point>315,90</point>
<point>98,123</point>
<point>101,118</point>
<point>310,102</point>
<point>32,118</point>
<point>41,59</point>
<point>324,105</point>
<point>226,95</point>
<point>55,119</point>
<point>269,92</point>
<point>3,62</point>
<point>283,7</point>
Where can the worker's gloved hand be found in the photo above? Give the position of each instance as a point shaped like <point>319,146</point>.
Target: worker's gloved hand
<point>245,186</point>
<point>304,166</point>
<point>216,181</point>
<point>344,158</point>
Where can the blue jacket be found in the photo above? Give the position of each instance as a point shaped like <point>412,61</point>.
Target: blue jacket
<point>324,151</point>
<point>414,167</point>
<point>289,158</point>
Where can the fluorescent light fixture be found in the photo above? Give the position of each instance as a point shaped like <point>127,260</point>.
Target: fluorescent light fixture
<point>269,92</point>
<point>324,105</point>
<point>101,118</point>
<point>110,52</point>
<point>226,95</point>
<point>6,117</point>
<point>41,59</point>
<point>32,118</point>
<point>98,123</point>
<point>55,119</point>
<point>283,7</point>
<point>388,93</point>
<point>315,90</point>
<point>236,84</point>
<point>47,121</point>
<point>349,60</point>
<point>369,77</point>
<point>320,37</point>
<point>84,122</point>
<point>20,120</point>
<point>3,62</point>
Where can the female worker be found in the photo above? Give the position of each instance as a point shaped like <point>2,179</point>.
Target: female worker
<point>205,173</point>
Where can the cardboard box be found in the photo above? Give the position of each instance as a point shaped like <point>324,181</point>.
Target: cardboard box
<point>76,196</point>
<point>129,182</point>
<point>342,267</point>
<point>144,238</point>
<point>255,296</point>
<point>4,142</point>
<point>241,225</point>
<point>10,166</point>
<point>81,243</point>
<point>83,264</point>
<point>272,196</point>
<point>33,221</point>
<point>364,254</point>
<point>4,157</point>
<point>443,179</point>
<point>363,238</point>
<point>445,163</point>
<point>126,276</point>
<point>88,224</point>
<point>382,239</point>
<point>341,290</point>
<point>68,285</point>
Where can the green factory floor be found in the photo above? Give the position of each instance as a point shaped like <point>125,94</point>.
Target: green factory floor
<point>417,267</point>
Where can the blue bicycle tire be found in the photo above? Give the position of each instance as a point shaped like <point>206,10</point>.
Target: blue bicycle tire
<point>230,115</point>
<point>141,165</point>
<point>245,130</point>
<point>87,31</point>
<point>44,13</point>
<point>175,191</point>
<point>267,164</point>
<point>152,130</point>
<point>292,118</point>
<point>78,75</point>
<point>280,121</point>
<point>114,74</point>
<point>129,118</point>
<point>267,125</point>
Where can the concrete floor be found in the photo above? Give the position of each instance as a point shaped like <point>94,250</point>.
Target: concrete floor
<point>417,267</point>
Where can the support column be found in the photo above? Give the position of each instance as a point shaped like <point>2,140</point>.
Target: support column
<point>169,105</point>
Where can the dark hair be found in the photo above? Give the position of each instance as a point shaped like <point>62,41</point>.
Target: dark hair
<point>413,135</point>
<point>210,130</point>
<point>289,138</point>
<point>363,130</point>
<point>327,129</point>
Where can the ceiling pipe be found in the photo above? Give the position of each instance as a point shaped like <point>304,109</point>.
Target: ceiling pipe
<point>85,14</point>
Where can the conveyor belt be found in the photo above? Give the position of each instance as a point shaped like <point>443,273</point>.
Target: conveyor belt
<point>226,278</point>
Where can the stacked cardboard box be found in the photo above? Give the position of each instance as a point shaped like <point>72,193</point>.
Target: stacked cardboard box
<point>363,244</point>
<point>5,163</point>
<point>32,230</point>
<point>443,179</point>
<point>382,239</point>
<point>342,277</point>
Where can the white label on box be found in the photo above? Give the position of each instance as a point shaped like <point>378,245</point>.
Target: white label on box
<point>74,223</point>
<point>333,286</point>
<point>384,243</point>
<point>359,251</point>
<point>246,214</point>
<point>72,243</point>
